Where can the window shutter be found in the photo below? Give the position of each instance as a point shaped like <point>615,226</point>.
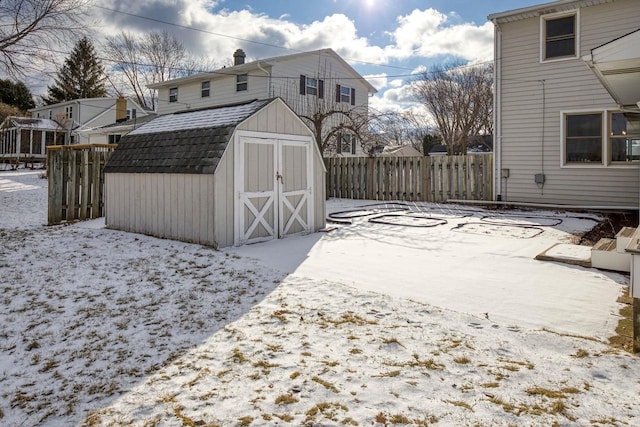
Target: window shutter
<point>303,85</point>
<point>353,138</point>
<point>321,89</point>
<point>337,93</point>
<point>353,96</point>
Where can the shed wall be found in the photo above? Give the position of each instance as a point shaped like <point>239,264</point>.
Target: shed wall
<point>173,206</point>
<point>569,85</point>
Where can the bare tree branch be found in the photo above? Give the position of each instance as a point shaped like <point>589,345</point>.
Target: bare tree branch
<point>460,100</point>
<point>32,30</point>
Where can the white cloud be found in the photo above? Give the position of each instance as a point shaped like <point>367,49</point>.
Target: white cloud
<point>426,33</point>
<point>379,81</point>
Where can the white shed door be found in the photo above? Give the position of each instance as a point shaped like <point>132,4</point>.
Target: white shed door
<point>273,183</point>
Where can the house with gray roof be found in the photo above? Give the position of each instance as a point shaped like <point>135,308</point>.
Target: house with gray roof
<point>312,82</point>
<point>221,176</point>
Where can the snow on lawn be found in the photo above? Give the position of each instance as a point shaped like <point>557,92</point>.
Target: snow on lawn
<point>101,327</point>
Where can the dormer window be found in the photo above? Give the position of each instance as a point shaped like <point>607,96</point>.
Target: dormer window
<point>559,36</point>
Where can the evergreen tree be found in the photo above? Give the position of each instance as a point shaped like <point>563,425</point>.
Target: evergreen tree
<point>16,94</point>
<point>81,76</point>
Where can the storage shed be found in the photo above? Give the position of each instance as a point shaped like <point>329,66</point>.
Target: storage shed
<point>228,175</point>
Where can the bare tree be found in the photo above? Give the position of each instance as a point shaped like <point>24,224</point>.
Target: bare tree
<point>460,100</point>
<point>151,58</point>
<point>333,123</point>
<point>398,128</point>
<point>31,31</point>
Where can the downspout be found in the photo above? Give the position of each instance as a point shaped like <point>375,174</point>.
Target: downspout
<point>268,73</point>
<point>497,116</point>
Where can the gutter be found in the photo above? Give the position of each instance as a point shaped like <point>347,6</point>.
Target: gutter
<point>497,111</point>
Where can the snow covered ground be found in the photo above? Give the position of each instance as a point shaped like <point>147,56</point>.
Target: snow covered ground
<point>370,324</point>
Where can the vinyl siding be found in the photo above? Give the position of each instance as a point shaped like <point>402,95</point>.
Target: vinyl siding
<point>284,82</point>
<point>172,206</point>
<point>569,85</point>
<point>222,91</point>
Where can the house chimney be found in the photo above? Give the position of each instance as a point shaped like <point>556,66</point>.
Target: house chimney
<point>121,109</point>
<point>238,57</point>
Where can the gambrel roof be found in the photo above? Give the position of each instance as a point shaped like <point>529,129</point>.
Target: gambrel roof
<point>190,142</point>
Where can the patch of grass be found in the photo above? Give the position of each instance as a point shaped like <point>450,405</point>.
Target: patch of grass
<point>280,315</point>
<point>325,384</point>
<point>222,373</point>
<point>265,366</point>
<point>462,360</point>
<point>349,422</point>
<point>355,351</point>
<point>612,421</point>
<point>294,375</point>
<point>326,409</point>
<point>490,385</point>
<point>286,399</point>
<point>387,374</point>
<point>238,357</point>
<point>526,364</point>
<point>284,417</point>
<point>399,419</point>
<point>582,337</point>
<point>245,421</point>
<point>551,394</point>
<point>186,421</point>
<point>580,354</point>
<point>306,353</point>
<point>330,363</point>
<point>274,347</point>
<point>352,318</point>
<point>460,404</point>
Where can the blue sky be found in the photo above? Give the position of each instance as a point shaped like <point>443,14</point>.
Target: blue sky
<point>384,40</point>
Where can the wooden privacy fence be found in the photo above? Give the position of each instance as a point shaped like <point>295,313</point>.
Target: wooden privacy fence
<point>76,181</point>
<point>429,179</point>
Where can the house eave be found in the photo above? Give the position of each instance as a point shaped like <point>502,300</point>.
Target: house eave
<point>542,9</point>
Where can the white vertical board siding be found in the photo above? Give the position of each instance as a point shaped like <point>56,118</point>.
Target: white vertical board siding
<point>174,206</point>
<point>223,206</point>
<point>569,85</point>
<point>276,118</point>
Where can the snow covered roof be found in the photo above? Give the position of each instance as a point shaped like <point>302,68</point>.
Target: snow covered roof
<point>189,142</point>
<point>32,123</point>
<point>201,119</point>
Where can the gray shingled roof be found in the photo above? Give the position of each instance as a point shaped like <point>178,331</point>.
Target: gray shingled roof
<point>194,145</point>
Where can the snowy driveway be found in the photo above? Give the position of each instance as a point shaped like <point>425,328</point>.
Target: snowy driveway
<point>471,260</point>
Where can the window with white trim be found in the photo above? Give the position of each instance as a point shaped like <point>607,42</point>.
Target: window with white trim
<point>242,82</point>
<point>345,94</point>
<point>205,89</point>
<point>583,138</point>
<point>173,94</point>
<point>346,143</point>
<point>604,138</point>
<point>69,112</point>
<point>131,114</point>
<point>559,36</point>
<point>624,137</point>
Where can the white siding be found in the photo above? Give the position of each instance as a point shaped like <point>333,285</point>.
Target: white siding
<point>222,91</point>
<point>173,206</point>
<point>569,85</point>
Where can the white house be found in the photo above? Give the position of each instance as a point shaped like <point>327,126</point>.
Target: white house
<point>308,82</point>
<point>25,138</point>
<point>81,115</point>
<point>567,119</point>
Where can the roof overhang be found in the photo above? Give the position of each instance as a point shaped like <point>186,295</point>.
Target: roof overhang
<point>617,66</point>
<point>542,9</point>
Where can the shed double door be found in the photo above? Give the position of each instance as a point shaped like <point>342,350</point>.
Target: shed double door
<point>273,183</point>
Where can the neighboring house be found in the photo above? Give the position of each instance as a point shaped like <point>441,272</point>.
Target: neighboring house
<point>79,115</point>
<point>481,144</point>
<point>111,134</point>
<point>221,176</point>
<point>25,138</point>
<point>567,123</point>
<point>311,81</point>
<point>395,151</point>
